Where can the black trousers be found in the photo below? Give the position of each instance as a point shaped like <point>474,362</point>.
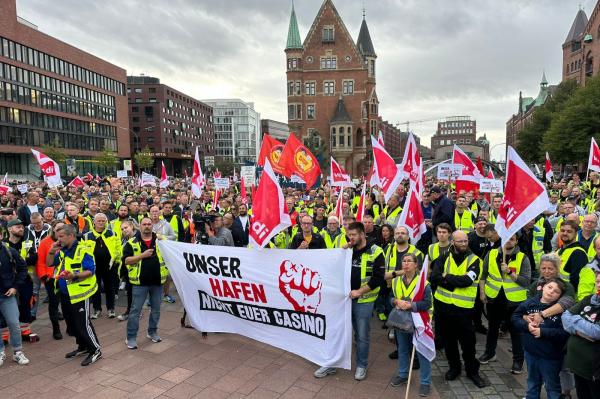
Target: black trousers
<point>106,277</point>
<point>587,389</point>
<point>24,300</point>
<point>79,325</point>
<point>455,329</point>
<point>53,300</point>
<point>479,306</point>
<point>499,310</point>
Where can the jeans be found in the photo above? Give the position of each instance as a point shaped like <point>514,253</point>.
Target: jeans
<point>37,284</point>
<point>542,371</point>
<point>10,312</point>
<point>404,342</point>
<point>107,277</point>
<point>499,310</point>
<point>361,324</point>
<point>139,294</point>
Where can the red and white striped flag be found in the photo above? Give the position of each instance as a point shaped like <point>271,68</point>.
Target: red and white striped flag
<point>386,169</point>
<point>412,216</point>
<point>360,212</point>
<point>594,159</point>
<point>198,181</point>
<point>423,338</point>
<point>77,182</point>
<point>339,206</point>
<point>49,168</point>
<point>216,198</point>
<point>548,168</point>
<point>164,179</point>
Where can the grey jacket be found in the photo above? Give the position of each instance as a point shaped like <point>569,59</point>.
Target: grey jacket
<point>223,238</point>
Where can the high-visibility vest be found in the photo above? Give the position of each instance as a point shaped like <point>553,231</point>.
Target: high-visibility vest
<point>401,291</point>
<point>565,255</point>
<point>336,242</point>
<point>463,222</point>
<point>82,289</point>
<point>590,250</point>
<point>392,255</point>
<point>174,222</point>
<point>111,240</point>
<point>376,212</point>
<point>366,271</point>
<point>562,219</point>
<point>492,217</point>
<point>282,239</point>
<point>134,271</point>
<point>26,246</point>
<point>296,228</point>
<point>537,242</point>
<point>82,223</point>
<point>587,280</point>
<point>433,251</point>
<point>392,217</point>
<point>460,297</point>
<point>497,280</point>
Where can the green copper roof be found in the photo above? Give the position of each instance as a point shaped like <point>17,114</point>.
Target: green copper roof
<point>293,39</point>
<point>544,81</point>
<point>527,101</point>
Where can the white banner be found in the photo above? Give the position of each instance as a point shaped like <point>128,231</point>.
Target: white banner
<point>23,188</point>
<point>294,300</point>
<point>222,182</point>
<point>449,171</point>
<point>122,173</point>
<point>249,175</point>
<point>147,179</point>
<point>491,186</point>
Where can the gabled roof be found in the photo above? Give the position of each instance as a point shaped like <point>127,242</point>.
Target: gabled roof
<point>364,43</point>
<point>577,28</point>
<point>341,114</point>
<point>293,38</point>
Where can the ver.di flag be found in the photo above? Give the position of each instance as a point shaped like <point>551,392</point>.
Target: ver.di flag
<point>198,181</point>
<point>469,179</point>
<point>77,182</point>
<point>548,168</point>
<point>594,159</point>
<point>339,177</point>
<point>294,300</point>
<point>525,197</point>
<point>164,179</point>
<point>49,168</point>
<point>412,216</point>
<point>423,338</point>
<point>387,172</point>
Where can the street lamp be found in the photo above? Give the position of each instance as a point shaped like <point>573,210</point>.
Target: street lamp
<point>496,145</point>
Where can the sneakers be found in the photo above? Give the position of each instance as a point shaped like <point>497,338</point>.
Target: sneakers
<point>360,374</point>
<point>168,299</point>
<point>397,381</point>
<point>111,314</point>
<point>2,358</point>
<point>154,337</point>
<point>76,352</point>
<point>91,358</point>
<point>131,343</point>
<point>123,317</point>
<point>391,334</point>
<point>20,358</point>
<point>486,358</point>
<point>517,367</point>
<point>324,372</point>
<point>424,390</point>
<point>96,314</point>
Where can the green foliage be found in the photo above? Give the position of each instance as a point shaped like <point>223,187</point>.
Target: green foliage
<point>55,151</point>
<point>225,166</point>
<point>108,159</point>
<point>143,159</point>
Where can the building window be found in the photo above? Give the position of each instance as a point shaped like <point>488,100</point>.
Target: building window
<point>333,138</point>
<point>329,88</point>
<point>310,111</point>
<point>135,109</point>
<point>467,141</point>
<point>341,136</point>
<point>293,63</point>
<point>299,111</point>
<point>328,62</point>
<point>328,34</point>
<point>310,88</point>
<point>152,90</point>
<point>348,86</point>
<point>290,88</point>
<point>374,128</point>
<point>291,111</point>
<point>372,68</point>
<point>137,90</point>
<point>298,88</point>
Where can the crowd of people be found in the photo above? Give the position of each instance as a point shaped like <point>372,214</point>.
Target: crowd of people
<point>541,288</point>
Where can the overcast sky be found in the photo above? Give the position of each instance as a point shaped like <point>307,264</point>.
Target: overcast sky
<point>436,58</point>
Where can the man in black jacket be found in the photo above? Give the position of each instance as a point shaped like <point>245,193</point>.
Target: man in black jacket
<point>443,208</point>
<point>306,239</point>
<point>240,229</point>
<point>31,206</point>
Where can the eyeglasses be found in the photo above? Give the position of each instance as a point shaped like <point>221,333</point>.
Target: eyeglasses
<point>306,223</point>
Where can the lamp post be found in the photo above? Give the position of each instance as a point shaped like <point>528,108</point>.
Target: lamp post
<point>496,145</point>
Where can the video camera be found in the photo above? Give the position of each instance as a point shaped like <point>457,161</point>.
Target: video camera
<point>201,220</point>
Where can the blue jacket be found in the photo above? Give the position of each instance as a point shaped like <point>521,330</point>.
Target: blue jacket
<point>13,270</point>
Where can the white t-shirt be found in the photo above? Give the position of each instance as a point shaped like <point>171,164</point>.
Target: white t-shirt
<point>33,208</point>
<point>244,220</point>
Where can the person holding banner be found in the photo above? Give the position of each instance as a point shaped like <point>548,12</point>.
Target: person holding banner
<point>367,275</point>
<point>403,288</point>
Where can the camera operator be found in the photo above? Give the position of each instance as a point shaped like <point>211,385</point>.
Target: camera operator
<point>217,233</point>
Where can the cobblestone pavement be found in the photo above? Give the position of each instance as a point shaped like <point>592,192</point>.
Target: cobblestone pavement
<point>184,365</point>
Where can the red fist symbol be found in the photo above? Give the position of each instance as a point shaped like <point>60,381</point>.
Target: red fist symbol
<point>300,286</point>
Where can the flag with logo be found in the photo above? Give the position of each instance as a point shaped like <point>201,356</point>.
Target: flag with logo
<point>412,166</point>
<point>339,177</point>
<point>423,337</point>
<point>49,168</point>
<point>469,179</point>
<point>198,181</point>
<point>272,150</point>
<point>380,138</point>
<point>76,182</point>
<point>387,171</point>
<point>594,159</point>
<point>525,197</point>
<point>548,168</point>
<point>164,179</point>
<point>298,160</point>
<point>412,216</point>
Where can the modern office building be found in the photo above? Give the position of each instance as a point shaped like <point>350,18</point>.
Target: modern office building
<point>237,130</point>
<point>460,130</point>
<point>277,130</point>
<point>52,92</point>
<point>169,123</point>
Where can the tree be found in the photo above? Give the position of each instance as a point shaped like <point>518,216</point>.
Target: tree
<point>144,159</point>
<point>108,159</point>
<point>55,151</point>
<point>318,147</point>
<point>225,166</point>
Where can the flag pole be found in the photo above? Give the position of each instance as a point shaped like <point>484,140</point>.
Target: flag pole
<point>410,368</point>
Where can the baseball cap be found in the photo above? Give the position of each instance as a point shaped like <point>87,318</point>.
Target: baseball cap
<point>14,222</point>
<point>435,189</point>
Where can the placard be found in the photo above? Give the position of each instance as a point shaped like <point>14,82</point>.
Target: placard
<point>297,179</point>
<point>221,182</point>
<point>449,171</point>
<point>491,186</point>
<point>122,173</point>
<point>127,165</point>
<point>23,188</point>
<point>249,175</point>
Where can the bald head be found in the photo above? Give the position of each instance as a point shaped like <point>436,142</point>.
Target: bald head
<point>460,241</point>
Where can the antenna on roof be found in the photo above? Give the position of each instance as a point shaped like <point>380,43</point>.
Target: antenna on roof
<point>364,10</point>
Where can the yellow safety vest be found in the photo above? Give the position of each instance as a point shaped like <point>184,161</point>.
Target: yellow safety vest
<point>591,251</point>
<point>401,291</point>
<point>434,251</point>
<point>587,282</point>
<point>392,218</point>
<point>375,209</point>
<point>497,280</point>
<point>492,217</point>
<point>565,255</point>
<point>392,255</point>
<point>562,219</point>
<point>460,297</point>
<point>174,224</point>
<point>366,271</point>
<point>336,242</point>
<point>82,289</point>
<point>537,242</point>
<point>282,240</point>
<point>463,222</point>
<point>296,228</point>
<point>113,243</point>
<point>134,270</point>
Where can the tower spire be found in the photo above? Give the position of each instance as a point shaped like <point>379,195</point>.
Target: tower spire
<point>293,38</point>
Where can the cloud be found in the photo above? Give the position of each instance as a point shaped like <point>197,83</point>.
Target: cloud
<point>436,58</point>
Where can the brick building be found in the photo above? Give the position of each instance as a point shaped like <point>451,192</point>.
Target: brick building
<point>460,130</point>
<point>52,92</point>
<point>331,88</point>
<point>171,124</point>
<point>581,49</point>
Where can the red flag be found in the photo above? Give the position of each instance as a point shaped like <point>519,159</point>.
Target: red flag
<point>380,138</point>
<point>49,168</point>
<point>5,179</point>
<point>525,197</point>
<point>490,174</point>
<point>164,179</point>
<point>372,177</point>
<point>423,338</point>
<point>360,212</point>
<point>469,180</point>
<point>412,167</point>
<point>548,168</point>
<point>412,216</point>
<point>339,177</point>
<point>216,198</point>
<point>4,189</point>
<point>268,209</point>
<point>198,181</point>
<point>243,192</point>
<point>253,192</point>
<point>386,169</point>
<point>298,160</point>
<point>339,206</point>
<point>594,159</point>
<point>77,182</point>
<point>272,150</point>
<point>185,174</point>
<point>479,165</point>
<point>89,176</point>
